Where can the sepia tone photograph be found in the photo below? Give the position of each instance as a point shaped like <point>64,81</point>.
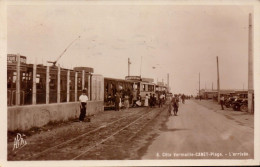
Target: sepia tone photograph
<point>129,80</point>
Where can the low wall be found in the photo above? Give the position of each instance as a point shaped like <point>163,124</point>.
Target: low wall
<point>26,117</point>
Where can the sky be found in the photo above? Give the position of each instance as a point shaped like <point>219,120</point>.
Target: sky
<point>182,40</point>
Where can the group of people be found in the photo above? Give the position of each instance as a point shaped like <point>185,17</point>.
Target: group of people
<point>118,100</point>
<point>150,100</point>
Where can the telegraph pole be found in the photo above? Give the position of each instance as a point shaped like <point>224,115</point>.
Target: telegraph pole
<point>168,82</point>
<point>199,85</point>
<point>141,66</point>
<point>250,67</point>
<point>129,66</point>
<point>218,81</point>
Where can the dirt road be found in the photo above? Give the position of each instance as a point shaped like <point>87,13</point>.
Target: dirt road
<point>202,133</point>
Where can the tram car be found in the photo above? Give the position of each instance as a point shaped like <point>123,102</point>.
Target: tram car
<point>132,87</point>
<point>112,86</point>
<point>26,82</point>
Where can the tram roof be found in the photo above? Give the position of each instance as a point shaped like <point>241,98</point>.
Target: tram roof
<point>117,79</point>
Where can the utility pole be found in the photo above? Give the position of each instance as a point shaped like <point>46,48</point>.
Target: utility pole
<point>129,66</point>
<point>199,85</point>
<point>250,67</point>
<point>168,81</point>
<point>141,66</point>
<point>218,81</point>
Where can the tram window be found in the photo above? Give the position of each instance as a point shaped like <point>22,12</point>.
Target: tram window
<point>150,88</point>
<point>72,84</point>
<point>38,78</point>
<point>9,83</point>
<point>143,87</point>
<point>24,79</point>
<point>14,79</point>
<point>79,84</point>
<point>30,75</point>
<point>52,83</point>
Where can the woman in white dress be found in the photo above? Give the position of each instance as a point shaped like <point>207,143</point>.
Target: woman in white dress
<point>146,100</point>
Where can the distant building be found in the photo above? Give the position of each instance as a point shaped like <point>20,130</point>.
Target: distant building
<point>210,94</point>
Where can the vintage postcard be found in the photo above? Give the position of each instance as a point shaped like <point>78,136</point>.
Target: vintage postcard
<point>129,83</point>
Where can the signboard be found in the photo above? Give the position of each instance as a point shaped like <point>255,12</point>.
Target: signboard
<point>147,79</point>
<point>11,58</point>
<point>135,78</point>
<point>87,69</point>
<point>160,83</point>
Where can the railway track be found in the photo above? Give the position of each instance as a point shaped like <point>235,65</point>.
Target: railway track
<point>48,152</point>
<point>82,145</point>
<point>118,139</point>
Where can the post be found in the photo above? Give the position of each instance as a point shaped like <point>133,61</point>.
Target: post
<point>83,79</point>
<point>250,66</point>
<point>18,73</point>
<point>68,86</point>
<point>141,66</point>
<point>168,81</point>
<point>34,84</point>
<point>129,66</point>
<point>47,85</point>
<point>218,81</point>
<point>199,85</point>
<point>89,87</point>
<point>76,86</point>
<point>58,85</point>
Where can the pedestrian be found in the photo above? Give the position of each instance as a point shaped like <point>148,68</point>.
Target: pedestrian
<point>160,100</point>
<point>183,98</point>
<point>175,103</point>
<point>126,101</point>
<point>222,102</point>
<point>153,100</point>
<point>163,97</point>
<point>139,101</point>
<point>134,98</point>
<point>150,100</point>
<point>170,108</point>
<point>83,98</point>
<point>117,101</point>
<point>146,100</point>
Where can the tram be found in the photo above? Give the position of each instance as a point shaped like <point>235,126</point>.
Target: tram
<point>39,84</point>
<point>65,83</point>
<point>112,86</point>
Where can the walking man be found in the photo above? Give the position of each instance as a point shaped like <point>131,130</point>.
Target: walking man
<point>175,105</point>
<point>222,102</point>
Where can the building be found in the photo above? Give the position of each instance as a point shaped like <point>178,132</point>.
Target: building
<point>210,94</point>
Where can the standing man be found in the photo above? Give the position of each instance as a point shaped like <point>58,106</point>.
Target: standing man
<point>134,98</point>
<point>160,100</point>
<point>83,98</point>
<point>222,102</point>
<point>117,101</point>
